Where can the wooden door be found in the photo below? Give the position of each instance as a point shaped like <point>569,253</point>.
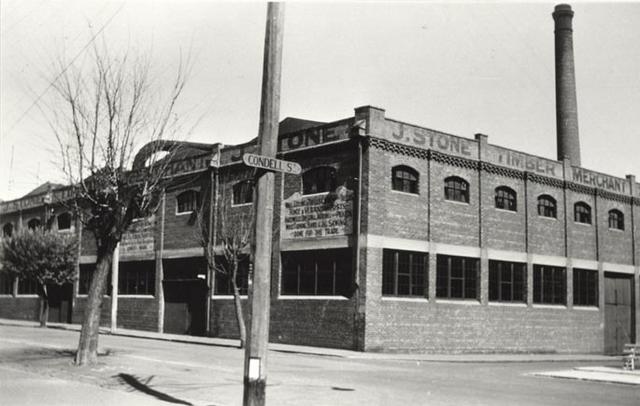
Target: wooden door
<point>618,315</point>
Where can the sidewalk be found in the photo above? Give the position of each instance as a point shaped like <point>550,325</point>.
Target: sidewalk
<point>332,352</point>
<point>597,374</point>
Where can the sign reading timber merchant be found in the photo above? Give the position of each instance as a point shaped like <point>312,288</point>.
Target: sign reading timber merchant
<point>318,215</point>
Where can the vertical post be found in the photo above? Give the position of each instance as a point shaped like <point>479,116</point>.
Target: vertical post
<point>159,249</point>
<point>211,230</point>
<point>255,375</point>
<point>115,265</point>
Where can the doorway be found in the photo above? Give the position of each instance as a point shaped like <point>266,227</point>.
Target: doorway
<point>185,296</point>
<point>60,303</point>
<point>618,312</point>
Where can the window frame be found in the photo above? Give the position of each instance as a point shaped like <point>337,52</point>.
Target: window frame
<point>557,285</point>
<point>30,285</point>
<point>311,188</point>
<point>582,213</point>
<point>82,282</point>
<point>506,197</point>
<point>242,277</point>
<point>339,274</point>
<point>8,226</point>
<point>237,190</point>
<point>546,203</point>
<point>67,229</point>
<point>618,219</point>
<point>195,202</point>
<point>7,281</point>
<point>456,189</point>
<point>409,183</point>
<point>448,261</point>
<point>417,267</point>
<point>585,294</point>
<point>32,221</point>
<point>125,278</point>
<point>496,271</point>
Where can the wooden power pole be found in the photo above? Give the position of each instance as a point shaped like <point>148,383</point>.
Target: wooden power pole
<point>255,362</point>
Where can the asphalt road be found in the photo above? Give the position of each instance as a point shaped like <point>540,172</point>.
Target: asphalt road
<point>35,368</point>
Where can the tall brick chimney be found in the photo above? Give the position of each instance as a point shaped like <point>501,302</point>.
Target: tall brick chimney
<point>566,104</point>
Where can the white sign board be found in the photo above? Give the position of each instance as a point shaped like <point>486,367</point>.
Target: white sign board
<point>271,164</point>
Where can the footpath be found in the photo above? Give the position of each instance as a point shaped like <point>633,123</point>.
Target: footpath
<point>611,374</point>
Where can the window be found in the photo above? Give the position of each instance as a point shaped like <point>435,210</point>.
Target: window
<point>404,273</point>
<point>34,223</point>
<point>506,199</point>
<point>64,221</point>
<point>549,284</point>
<point>84,280</point>
<point>137,278</point>
<point>456,189</point>
<point>547,206</point>
<point>616,220</point>
<point>7,230</point>
<point>404,179</point>
<point>243,192</point>
<point>223,284</point>
<point>582,213</point>
<point>188,201</point>
<point>457,277</point>
<point>326,272</point>
<point>585,287</point>
<point>318,180</point>
<point>507,281</point>
<point>27,287</point>
<point>6,283</point>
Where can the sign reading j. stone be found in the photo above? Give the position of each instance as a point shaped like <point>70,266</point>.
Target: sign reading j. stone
<point>321,215</point>
<point>314,136</point>
<point>430,139</point>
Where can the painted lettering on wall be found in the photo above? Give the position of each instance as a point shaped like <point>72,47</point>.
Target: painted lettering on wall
<point>313,136</point>
<point>599,180</point>
<point>525,162</point>
<point>57,196</point>
<point>446,143</point>
<point>139,238</point>
<point>322,215</point>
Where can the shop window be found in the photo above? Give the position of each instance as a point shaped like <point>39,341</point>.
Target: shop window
<point>404,179</point>
<point>243,192</point>
<point>404,273</point>
<point>507,281</point>
<point>456,189</point>
<point>6,283</point>
<point>506,199</point>
<point>616,220</point>
<point>316,273</point>
<point>457,277</point>
<point>319,180</point>
<point>84,279</point>
<point>7,230</point>
<point>585,287</point>
<point>64,221</point>
<point>549,284</point>
<point>137,278</point>
<point>547,206</point>
<point>223,284</point>
<point>34,224</point>
<point>582,213</point>
<point>27,287</point>
<point>187,201</point>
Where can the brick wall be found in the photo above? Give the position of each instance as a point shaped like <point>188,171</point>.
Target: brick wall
<point>503,229</point>
<point>20,308</point>
<point>546,235</point>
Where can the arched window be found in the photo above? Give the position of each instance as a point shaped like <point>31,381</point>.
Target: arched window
<point>404,179</point>
<point>547,206</point>
<point>506,198</point>
<point>456,189</point>
<point>616,219</point>
<point>243,192</point>
<point>187,201</point>
<point>34,223</point>
<point>318,180</point>
<point>582,213</point>
<point>7,230</point>
<point>64,221</point>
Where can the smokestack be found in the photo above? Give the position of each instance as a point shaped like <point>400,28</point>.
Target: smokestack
<point>566,104</point>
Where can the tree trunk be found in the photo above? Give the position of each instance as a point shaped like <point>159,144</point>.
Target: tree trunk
<point>239,315</point>
<point>44,306</point>
<point>87,353</point>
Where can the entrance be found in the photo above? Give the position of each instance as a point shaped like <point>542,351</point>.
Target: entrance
<point>618,312</point>
<point>60,303</point>
<point>185,296</point>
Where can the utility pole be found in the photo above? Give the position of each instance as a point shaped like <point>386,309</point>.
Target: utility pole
<point>255,362</point>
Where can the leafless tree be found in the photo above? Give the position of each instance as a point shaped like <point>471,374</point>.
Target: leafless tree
<point>103,111</point>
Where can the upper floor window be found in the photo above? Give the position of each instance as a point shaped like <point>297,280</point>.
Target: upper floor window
<point>506,198</point>
<point>187,201</point>
<point>34,223</point>
<point>582,213</point>
<point>616,219</point>
<point>64,221</point>
<point>404,179</point>
<point>547,206</point>
<point>456,189</point>
<point>243,192</point>
<point>318,180</point>
<point>7,230</point>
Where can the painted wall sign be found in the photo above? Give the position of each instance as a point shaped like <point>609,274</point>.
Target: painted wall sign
<point>524,162</point>
<point>321,215</point>
<point>430,139</point>
<point>57,196</point>
<point>314,136</point>
<point>600,180</point>
<point>271,164</point>
<point>139,238</point>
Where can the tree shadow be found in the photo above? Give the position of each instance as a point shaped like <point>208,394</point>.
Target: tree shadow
<point>143,387</point>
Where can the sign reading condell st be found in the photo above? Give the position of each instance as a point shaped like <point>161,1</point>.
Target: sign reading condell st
<point>271,164</point>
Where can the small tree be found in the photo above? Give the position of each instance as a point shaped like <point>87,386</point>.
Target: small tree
<point>49,258</point>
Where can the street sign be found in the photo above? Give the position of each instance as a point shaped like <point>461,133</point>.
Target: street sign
<point>271,164</point>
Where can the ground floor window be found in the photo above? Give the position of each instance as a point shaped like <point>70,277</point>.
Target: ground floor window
<point>6,283</point>
<point>137,278</point>
<point>404,273</point>
<point>316,272</point>
<point>84,280</point>
<point>457,277</point>
<point>585,287</point>
<point>507,281</point>
<point>223,285</point>
<point>549,284</point>
<point>27,287</point>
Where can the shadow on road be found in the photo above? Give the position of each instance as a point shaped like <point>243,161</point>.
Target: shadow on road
<point>145,388</point>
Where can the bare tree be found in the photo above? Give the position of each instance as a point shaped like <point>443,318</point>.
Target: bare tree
<point>104,110</point>
<point>233,228</point>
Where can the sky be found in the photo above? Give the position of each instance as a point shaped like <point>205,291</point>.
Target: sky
<point>461,68</point>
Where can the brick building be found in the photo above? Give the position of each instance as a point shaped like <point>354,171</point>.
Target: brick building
<point>395,237</point>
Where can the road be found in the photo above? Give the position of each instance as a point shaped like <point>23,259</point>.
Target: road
<point>35,368</point>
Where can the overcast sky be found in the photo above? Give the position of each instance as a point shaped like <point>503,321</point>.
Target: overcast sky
<point>460,68</point>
